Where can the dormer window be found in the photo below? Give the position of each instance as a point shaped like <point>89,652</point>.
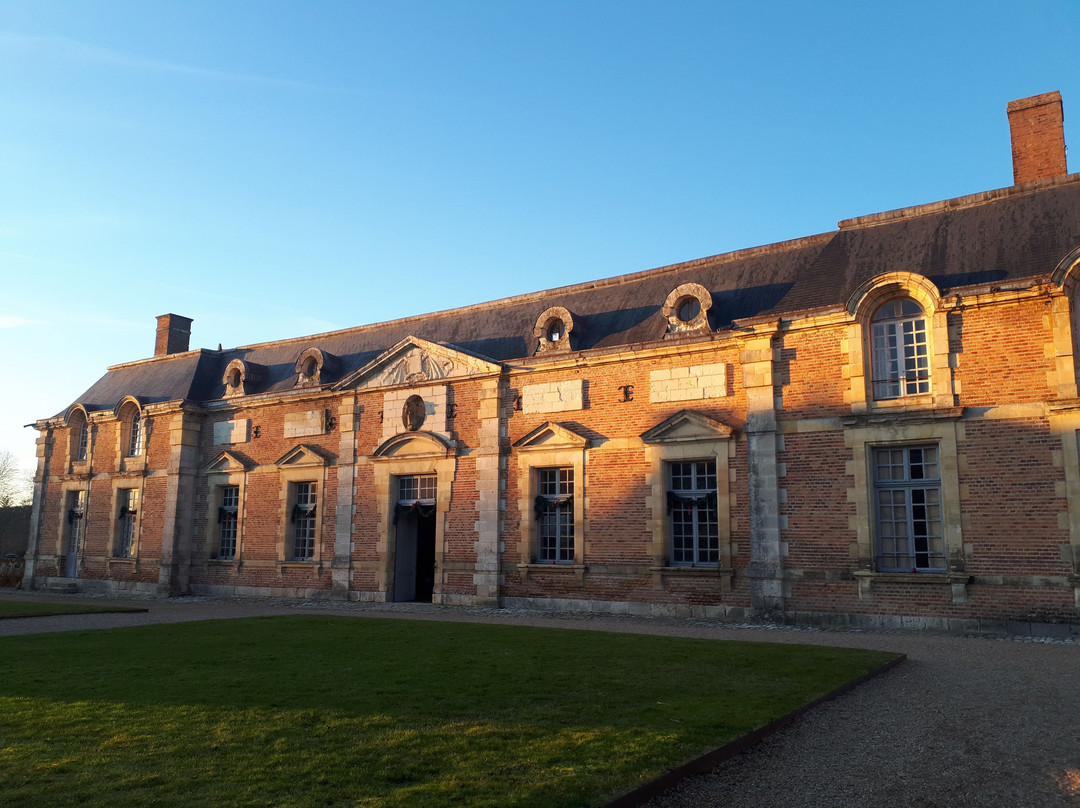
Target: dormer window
<point>686,310</point>
<point>899,349</point>
<point>232,380</point>
<point>555,329</point>
<point>315,367</point>
<point>552,330</point>
<point>242,378</point>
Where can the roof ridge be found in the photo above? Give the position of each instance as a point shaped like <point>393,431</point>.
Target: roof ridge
<point>545,294</point>
<point>956,203</point>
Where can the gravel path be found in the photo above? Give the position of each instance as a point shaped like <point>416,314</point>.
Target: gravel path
<point>963,722</point>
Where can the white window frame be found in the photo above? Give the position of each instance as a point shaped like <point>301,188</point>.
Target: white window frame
<point>127,522</point>
<point>899,350</point>
<point>908,509</point>
<point>82,441</point>
<point>703,514</point>
<point>304,516</point>
<point>555,541</point>
<point>76,524</point>
<point>135,434</point>
<point>228,522</point>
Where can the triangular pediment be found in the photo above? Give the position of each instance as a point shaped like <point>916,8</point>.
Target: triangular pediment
<point>552,436</point>
<point>685,426</point>
<point>414,362</point>
<point>227,463</point>
<point>303,455</point>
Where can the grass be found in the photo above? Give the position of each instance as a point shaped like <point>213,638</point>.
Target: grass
<point>328,711</point>
<point>28,608</point>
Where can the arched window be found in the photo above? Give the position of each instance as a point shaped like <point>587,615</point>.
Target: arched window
<point>900,355</point>
<point>134,428</point>
<point>82,441</point>
<point>79,435</point>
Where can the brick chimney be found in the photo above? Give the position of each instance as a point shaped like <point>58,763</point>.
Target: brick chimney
<point>1038,138</point>
<point>173,334</point>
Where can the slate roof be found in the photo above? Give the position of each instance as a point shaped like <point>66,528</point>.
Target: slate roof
<point>999,237</point>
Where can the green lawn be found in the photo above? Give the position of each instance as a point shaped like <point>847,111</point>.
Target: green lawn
<point>328,711</point>
<point>30,608</point>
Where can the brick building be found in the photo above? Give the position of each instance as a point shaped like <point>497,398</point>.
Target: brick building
<point>872,425</point>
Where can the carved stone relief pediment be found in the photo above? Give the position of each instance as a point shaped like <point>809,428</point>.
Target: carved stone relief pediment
<point>414,362</point>
<point>416,366</point>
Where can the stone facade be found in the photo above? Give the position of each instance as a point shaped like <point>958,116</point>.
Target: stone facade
<point>876,425</point>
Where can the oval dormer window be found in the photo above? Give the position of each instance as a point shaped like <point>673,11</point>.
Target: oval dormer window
<point>688,309</point>
<point>555,330</point>
<point>234,379</point>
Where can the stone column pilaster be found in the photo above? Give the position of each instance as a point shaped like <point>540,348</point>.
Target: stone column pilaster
<point>174,574</point>
<point>348,422</point>
<point>766,571</point>
<point>490,478</point>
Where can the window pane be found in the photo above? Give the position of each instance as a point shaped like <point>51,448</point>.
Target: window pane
<point>304,524</point>
<point>909,527</point>
<point>693,519</point>
<point>555,526</point>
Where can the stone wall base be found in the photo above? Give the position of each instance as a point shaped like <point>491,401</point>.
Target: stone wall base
<point>852,622</point>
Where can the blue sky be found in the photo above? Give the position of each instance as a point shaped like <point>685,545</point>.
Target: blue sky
<point>276,169</point>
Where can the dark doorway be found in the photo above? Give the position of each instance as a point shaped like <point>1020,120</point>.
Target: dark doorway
<point>414,558</point>
<point>425,557</point>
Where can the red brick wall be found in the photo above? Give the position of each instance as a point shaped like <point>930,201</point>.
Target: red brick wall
<point>1012,503</point>
<point>1003,359</point>
<point>808,371</point>
<point>818,514</point>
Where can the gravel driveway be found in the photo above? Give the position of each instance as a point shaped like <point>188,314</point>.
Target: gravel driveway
<point>963,722</point>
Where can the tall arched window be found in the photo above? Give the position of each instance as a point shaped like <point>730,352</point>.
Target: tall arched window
<point>900,354</point>
<point>80,436</point>
<point>135,435</point>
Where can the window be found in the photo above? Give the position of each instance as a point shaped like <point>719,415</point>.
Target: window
<point>554,507</point>
<point>687,309</point>
<point>899,350</point>
<point>135,435</point>
<point>695,535</point>
<point>84,441</point>
<point>76,511</point>
<point>417,488</point>
<point>305,499</point>
<point>126,522</point>
<point>228,514</point>
<point>907,494</point>
<point>554,330</point>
